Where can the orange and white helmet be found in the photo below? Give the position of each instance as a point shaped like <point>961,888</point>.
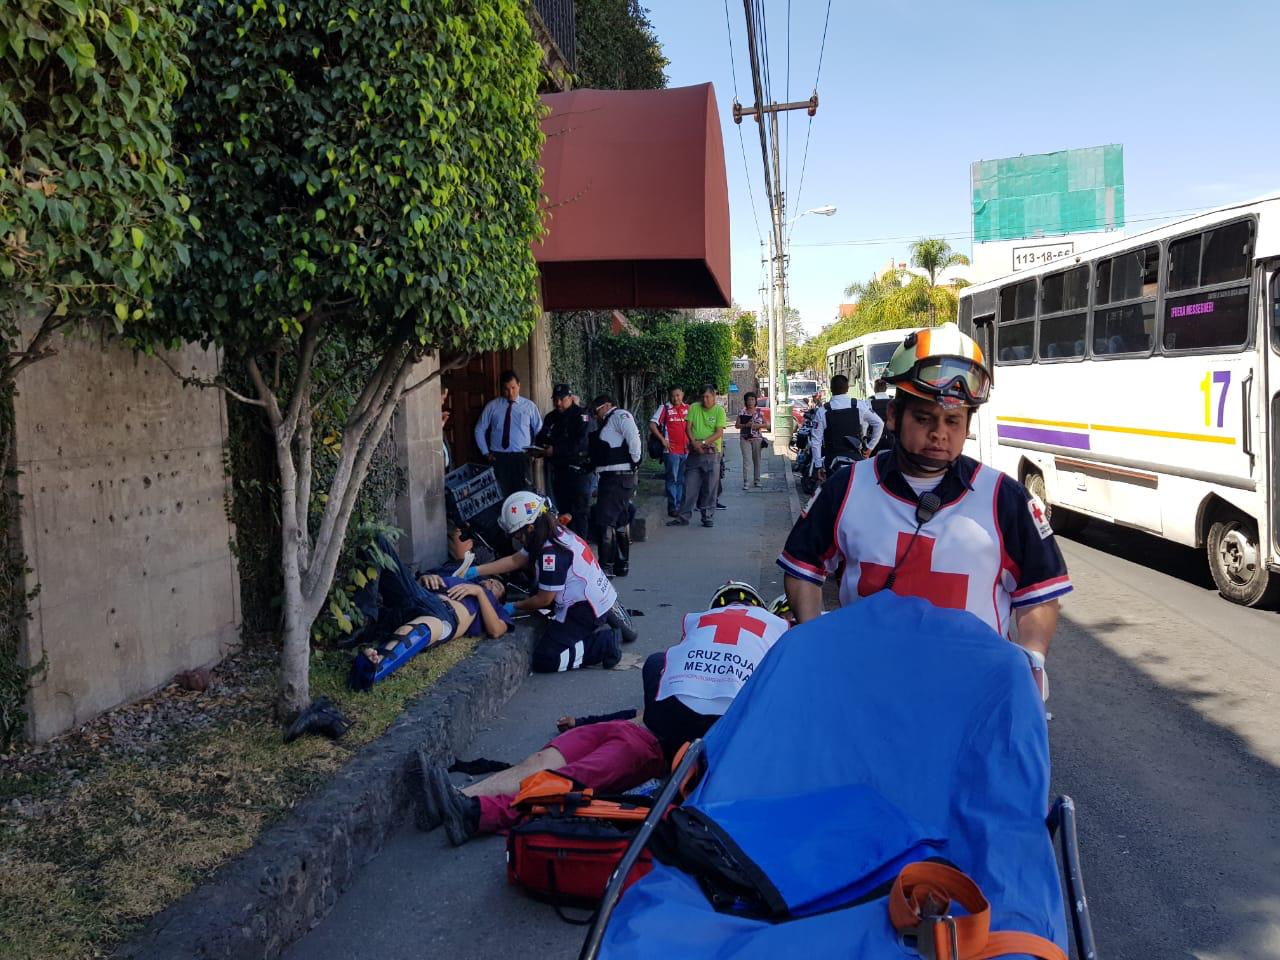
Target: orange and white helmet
<point>943,365</point>
<point>519,510</point>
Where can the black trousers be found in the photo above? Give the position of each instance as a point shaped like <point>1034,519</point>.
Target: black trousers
<point>572,492</point>
<point>583,640</point>
<point>613,498</point>
<point>512,471</point>
<point>669,720</point>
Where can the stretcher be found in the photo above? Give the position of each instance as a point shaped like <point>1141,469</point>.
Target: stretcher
<point>879,788</point>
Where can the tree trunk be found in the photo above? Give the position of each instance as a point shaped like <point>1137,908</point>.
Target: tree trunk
<point>295,650</point>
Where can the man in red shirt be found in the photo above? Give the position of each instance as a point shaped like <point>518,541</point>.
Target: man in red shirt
<point>669,425</point>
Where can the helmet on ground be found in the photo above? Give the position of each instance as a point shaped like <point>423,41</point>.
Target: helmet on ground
<point>941,364</point>
<point>735,591</point>
<point>519,510</point>
<point>781,607</point>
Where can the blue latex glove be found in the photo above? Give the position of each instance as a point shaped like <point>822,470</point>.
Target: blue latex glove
<point>471,574</point>
<point>510,608</point>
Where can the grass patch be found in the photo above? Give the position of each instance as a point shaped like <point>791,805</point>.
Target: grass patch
<point>131,836</point>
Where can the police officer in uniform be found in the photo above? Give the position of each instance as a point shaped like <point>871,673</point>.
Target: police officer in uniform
<point>616,452</point>
<point>563,438</point>
<point>928,521</point>
<point>837,420</point>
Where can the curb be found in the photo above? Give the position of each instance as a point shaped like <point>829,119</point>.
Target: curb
<point>284,885</point>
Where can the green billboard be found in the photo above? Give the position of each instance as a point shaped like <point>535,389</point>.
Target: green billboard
<point>1044,194</point>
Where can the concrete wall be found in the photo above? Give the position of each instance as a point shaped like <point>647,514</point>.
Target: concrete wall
<point>419,436</point>
<point>123,524</point>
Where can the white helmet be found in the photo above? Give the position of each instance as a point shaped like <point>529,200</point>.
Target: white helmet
<point>519,510</point>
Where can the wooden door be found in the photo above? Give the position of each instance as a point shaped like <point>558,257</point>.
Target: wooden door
<point>470,388</point>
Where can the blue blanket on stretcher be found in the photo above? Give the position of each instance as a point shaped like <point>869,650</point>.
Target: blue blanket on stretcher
<point>883,733</point>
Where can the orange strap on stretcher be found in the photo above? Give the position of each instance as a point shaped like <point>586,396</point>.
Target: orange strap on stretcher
<point>920,906</point>
<point>548,792</point>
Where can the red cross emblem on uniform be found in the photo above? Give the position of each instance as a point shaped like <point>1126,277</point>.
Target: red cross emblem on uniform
<point>1037,512</point>
<point>729,625</point>
<point>587,555</point>
<point>916,576</point>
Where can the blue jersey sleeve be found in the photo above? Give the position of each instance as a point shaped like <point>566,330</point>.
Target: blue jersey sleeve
<point>553,568</point>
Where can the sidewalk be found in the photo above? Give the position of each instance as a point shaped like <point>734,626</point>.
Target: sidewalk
<point>421,897</point>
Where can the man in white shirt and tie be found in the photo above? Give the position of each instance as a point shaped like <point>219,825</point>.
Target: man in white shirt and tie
<point>506,426</point>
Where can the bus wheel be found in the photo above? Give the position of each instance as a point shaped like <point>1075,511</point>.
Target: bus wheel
<point>1062,521</point>
<point>1237,566</point>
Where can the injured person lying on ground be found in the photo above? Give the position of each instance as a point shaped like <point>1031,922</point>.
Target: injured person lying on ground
<point>406,616</point>
<point>686,688</point>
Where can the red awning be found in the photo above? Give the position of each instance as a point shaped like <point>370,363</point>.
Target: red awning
<point>637,202</point>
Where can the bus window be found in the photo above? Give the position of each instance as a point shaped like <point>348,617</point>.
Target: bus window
<point>1124,314</point>
<point>1275,323</point>
<point>1017,336</point>
<point>1207,321</point>
<point>1018,301</point>
<point>1063,302</point>
<point>1216,318</point>
<point>1127,329</point>
<point>984,329</point>
<point>1128,276</point>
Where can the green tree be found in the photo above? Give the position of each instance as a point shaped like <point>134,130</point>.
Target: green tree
<point>360,177</point>
<point>617,48</point>
<point>708,356</point>
<point>91,217</point>
<point>744,331</point>
<point>934,256</point>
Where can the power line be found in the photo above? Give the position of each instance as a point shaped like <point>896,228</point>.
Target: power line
<point>786,162</point>
<point>804,163</point>
<point>746,170</point>
<point>969,235</point>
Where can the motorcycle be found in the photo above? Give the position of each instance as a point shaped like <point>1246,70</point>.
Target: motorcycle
<point>803,449</point>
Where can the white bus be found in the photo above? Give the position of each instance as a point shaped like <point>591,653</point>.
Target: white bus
<point>1139,383</point>
<point>864,358</point>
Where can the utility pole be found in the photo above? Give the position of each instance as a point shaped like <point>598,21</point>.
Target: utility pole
<point>778,399</point>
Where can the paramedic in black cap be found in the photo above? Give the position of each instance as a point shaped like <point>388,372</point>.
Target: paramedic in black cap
<point>563,438</point>
<point>616,452</point>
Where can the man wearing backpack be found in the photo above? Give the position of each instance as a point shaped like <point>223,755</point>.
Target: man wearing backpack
<point>838,419</point>
<point>669,425</point>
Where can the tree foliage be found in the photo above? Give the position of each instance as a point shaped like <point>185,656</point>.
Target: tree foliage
<point>91,218</point>
<point>708,357</point>
<point>934,256</point>
<point>617,48</point>
<point>364,184</point>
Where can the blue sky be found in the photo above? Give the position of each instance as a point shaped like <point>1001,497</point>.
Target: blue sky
<point>912,94</point>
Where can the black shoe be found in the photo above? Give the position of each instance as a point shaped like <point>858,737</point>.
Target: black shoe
<point>708,523</point>
<point>721,506</point>
<point>621,569</point>
<point>678,522</point>
<point>427,816</point>
<point>460,813</point>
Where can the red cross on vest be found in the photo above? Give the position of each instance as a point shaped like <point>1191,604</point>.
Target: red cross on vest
<point>1037,512</point>
<point>916,576</point>
<point>729,623</point>
<point>587,555</point>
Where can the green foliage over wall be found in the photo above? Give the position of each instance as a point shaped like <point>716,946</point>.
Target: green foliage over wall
<point>617,48</point>
<point>708,352</point>
<point>654,353</point>
<point>90,214</point>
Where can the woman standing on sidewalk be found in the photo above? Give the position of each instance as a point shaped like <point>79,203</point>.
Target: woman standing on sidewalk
<point>750,437</point>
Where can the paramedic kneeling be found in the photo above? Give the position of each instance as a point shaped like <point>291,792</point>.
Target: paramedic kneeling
<point>569,582</point>
<point>925,521</point>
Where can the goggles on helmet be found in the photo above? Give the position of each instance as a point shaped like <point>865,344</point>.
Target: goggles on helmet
<point>949,378</point>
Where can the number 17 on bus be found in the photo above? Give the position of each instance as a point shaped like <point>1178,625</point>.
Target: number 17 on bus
<point>1211,380</point>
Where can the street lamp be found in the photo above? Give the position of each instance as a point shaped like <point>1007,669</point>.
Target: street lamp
<point>826,210</point>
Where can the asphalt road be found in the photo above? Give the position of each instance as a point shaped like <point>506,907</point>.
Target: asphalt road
<point>1165,730</point>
